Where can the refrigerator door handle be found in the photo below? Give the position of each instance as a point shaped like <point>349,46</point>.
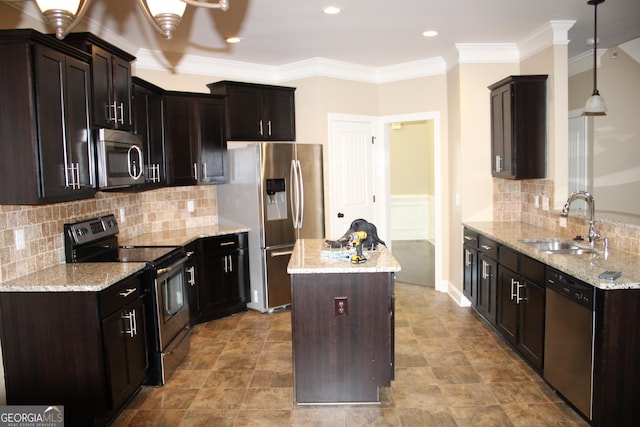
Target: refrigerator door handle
<point>293,194</point>
<point>301,194</point>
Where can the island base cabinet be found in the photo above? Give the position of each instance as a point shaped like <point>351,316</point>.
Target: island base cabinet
<point>342,356</point>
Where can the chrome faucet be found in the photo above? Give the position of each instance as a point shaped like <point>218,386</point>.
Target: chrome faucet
<point>588,198</point>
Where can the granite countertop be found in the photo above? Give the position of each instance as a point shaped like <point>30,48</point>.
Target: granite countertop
<point>313,256</point>
<point>82,277</point>
<point>584,267</point>
<point>183,236</point>
<point>94,277</point>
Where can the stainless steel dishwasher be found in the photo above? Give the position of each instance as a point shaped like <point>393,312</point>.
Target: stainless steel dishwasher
<point>568,343</point>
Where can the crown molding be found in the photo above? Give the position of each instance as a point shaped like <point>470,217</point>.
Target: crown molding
<point>551,33</point>
<point>487,53</point>
<point>313,67</point>
<point>632,48</point>
<point>584,61</point>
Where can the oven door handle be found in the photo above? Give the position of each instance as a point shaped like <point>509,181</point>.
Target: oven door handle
<point>177,264</point>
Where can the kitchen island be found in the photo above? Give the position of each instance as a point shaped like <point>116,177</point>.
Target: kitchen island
<point>342,322</point>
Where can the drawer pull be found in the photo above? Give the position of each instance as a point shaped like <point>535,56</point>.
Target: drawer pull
<point>227,243</point>
<point>486,247</point>
<point>127,292</point>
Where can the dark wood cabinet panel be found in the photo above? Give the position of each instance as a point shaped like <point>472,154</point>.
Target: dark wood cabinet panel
<point>62,347</point>
<point>148,121</point>
<point>257,112</point>
<point>222,276</point>
<point>519,127</point>
<point>195,141</point>
<point>342,358</point>
<point>470,271</point>
<point>44,121</point>
<point>111,81</point>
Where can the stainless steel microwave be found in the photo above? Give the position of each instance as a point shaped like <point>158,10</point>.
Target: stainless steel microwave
<point>120,159</point>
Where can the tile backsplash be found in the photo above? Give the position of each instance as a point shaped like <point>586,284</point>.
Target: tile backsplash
<point>515,201</point>
<point>42,226</point>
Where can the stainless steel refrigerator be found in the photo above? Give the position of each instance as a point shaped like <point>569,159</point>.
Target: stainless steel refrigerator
<point>277,190</point>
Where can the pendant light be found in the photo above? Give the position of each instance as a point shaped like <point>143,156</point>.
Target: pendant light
<point>595,105</point>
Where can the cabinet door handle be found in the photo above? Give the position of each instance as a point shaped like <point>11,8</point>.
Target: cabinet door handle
<point>195,171</point>
<point>260,129</point>
<point>514,292</point>
<point>518,297</point>
<point>131,318</point>
<point>121,119</point>
<point>486,266</point>
<point>230,264</point>
<point>269,126</point>
<point>498,163</point>
<point>192,275</point>
<point>113,117</point>
<point>468,257</point>
<point>204,170</point>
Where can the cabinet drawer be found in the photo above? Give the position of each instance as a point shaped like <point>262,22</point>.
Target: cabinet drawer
<point>509,258</point>
<point>120,294</point>
<point>224,244</point>
<point>470,238</point>
<point>532,270</point>
<point>488,246</point>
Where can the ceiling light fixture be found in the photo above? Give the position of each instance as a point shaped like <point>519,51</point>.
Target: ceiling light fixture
<point>233,40</point>
<point>430,33</point>
<point>164,15</point>
<point>595,105</point>
<point>331,10</point>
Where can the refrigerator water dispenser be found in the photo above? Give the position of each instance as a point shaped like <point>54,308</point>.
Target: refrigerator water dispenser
<point>276,199</point>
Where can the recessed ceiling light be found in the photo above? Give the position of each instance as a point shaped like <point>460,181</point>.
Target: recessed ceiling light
<point>430,33</point>
<point>331,10</point>
<point>233,40</point>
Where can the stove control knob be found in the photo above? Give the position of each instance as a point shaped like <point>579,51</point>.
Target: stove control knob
<point>81,231</point>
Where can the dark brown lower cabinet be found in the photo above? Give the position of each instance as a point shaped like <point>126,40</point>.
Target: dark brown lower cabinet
<point>342,356</point>
<point>521,310</point>
<point>84,350</point>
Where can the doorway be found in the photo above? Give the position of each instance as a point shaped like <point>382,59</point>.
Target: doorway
<point>412,200</point>
<point>378,172</point>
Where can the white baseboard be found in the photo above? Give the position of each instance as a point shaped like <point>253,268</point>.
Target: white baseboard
<point>457,295</point>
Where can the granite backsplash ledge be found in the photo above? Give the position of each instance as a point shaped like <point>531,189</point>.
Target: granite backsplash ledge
<point>137,213</point>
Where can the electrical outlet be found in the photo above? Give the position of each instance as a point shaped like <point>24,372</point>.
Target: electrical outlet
<point>536,201</point>
<point>341,305</point>
<point>562,222</point>
<point>19,239</point>
<point>545,203</point>
<point>191,206</point>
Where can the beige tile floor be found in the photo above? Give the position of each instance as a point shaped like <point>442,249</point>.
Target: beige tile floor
<point>451,370</point>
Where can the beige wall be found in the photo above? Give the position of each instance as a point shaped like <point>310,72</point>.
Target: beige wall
<point>411,152</point>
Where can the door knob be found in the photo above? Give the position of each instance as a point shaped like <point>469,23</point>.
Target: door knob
<point>340,215</point>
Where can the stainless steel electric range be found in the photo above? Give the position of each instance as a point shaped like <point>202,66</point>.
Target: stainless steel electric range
<point>96,240</point>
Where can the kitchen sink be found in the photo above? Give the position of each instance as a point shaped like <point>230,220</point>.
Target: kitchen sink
<point>557,246</point>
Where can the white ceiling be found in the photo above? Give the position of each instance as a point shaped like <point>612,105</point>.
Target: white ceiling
<point>372,33</point>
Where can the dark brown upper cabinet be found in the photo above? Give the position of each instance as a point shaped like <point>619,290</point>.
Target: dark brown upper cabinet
<point>111,81</point>
<point>258,112</point>
<point>45,154</point>
<point>519,127</point>
<point>195,140</point>
<point>148,123</point>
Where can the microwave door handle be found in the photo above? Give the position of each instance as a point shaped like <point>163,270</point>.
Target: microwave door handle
<point>135,174</point>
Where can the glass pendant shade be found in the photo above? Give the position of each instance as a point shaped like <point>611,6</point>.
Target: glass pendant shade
<point>595,105</point>
<point>160,7</point>
<point>70,6</point>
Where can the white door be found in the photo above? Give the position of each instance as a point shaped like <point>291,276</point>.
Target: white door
<point>352,172</point>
